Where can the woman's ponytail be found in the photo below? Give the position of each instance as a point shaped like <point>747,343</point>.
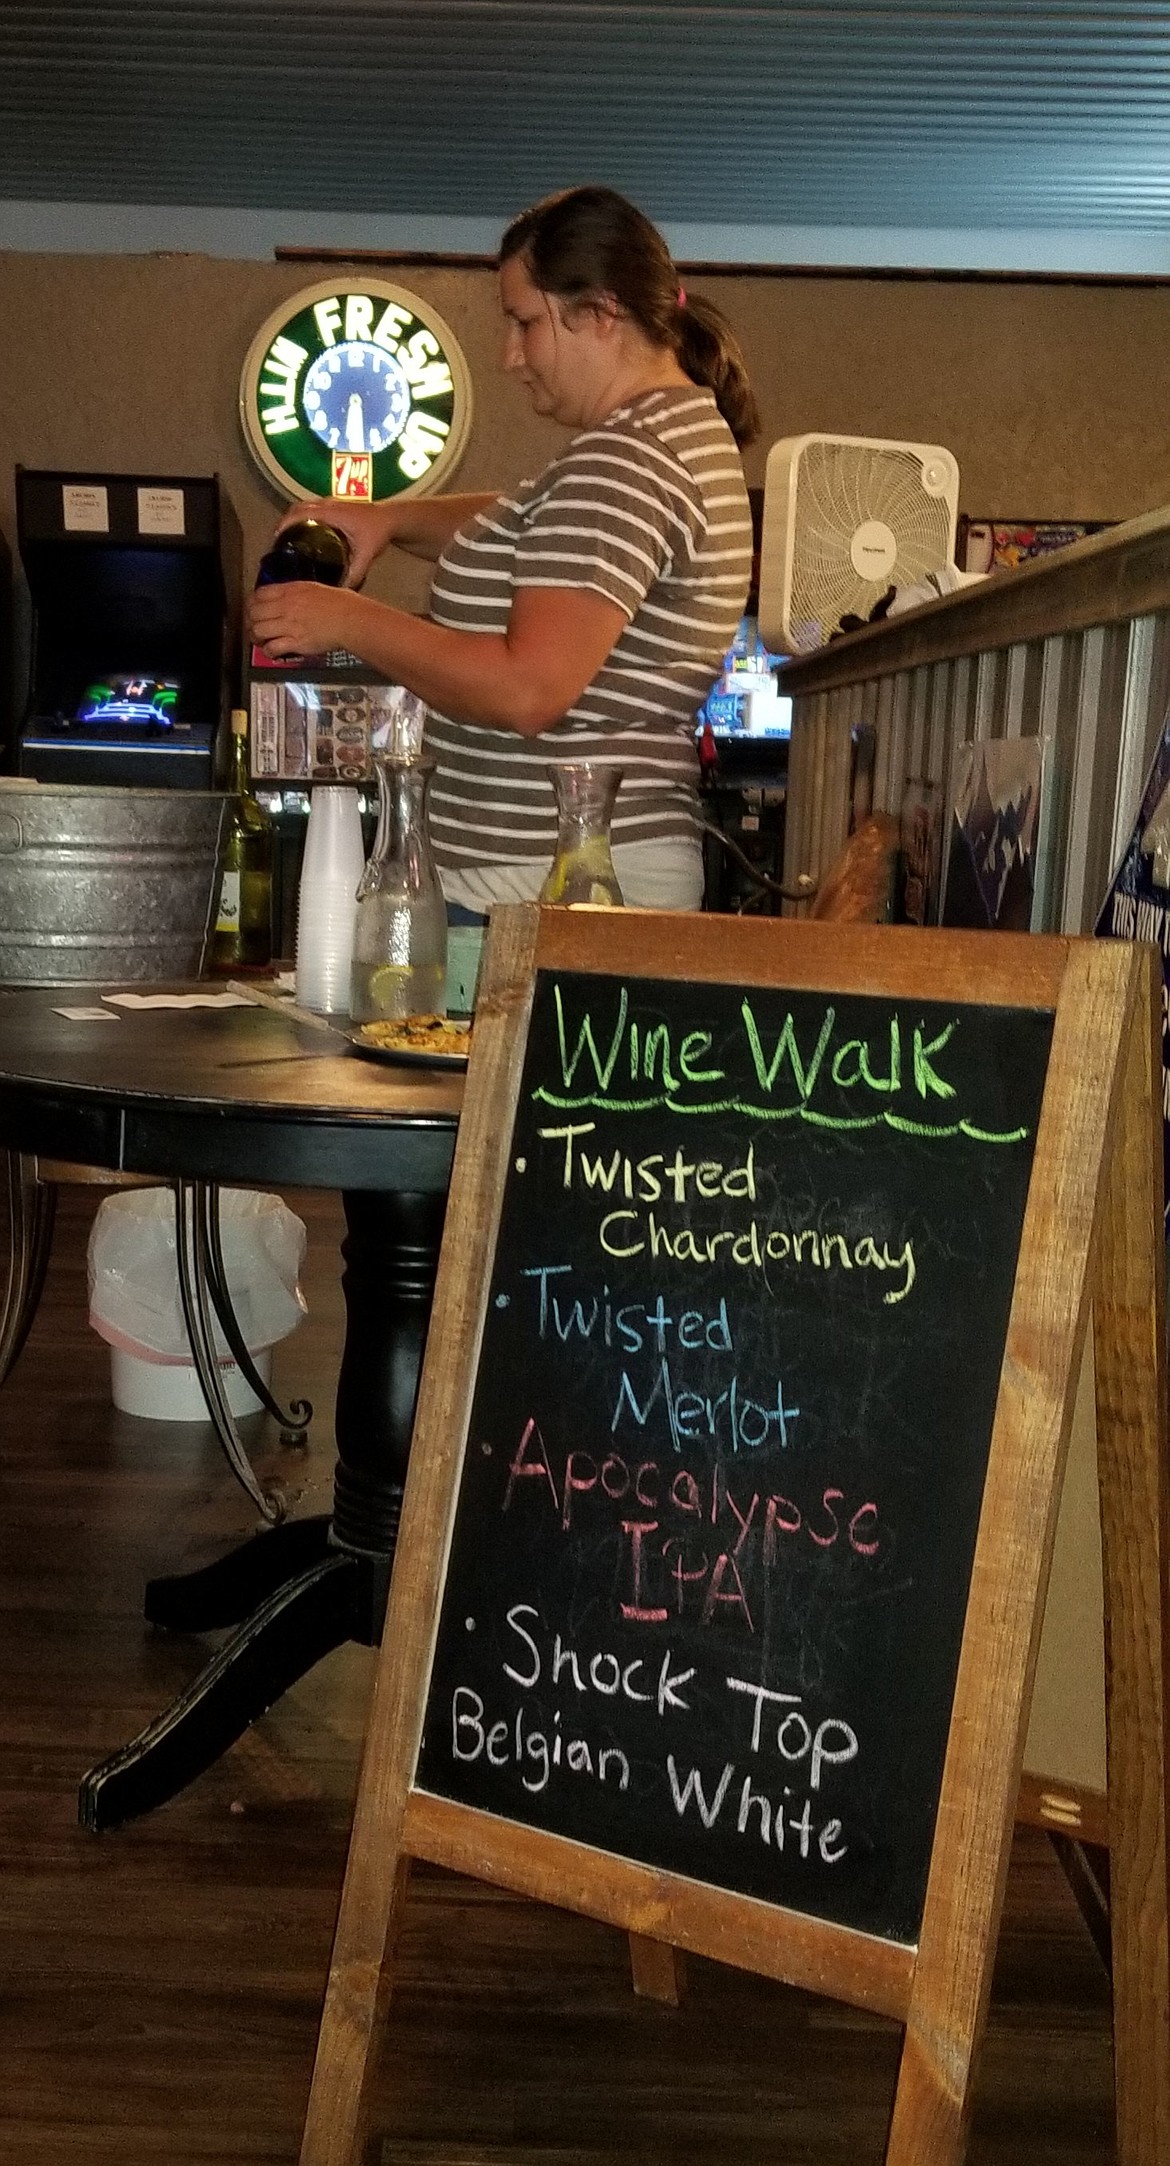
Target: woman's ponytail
<point>710,354</point>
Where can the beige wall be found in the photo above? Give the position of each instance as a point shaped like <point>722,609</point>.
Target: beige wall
<point>1052,397</point>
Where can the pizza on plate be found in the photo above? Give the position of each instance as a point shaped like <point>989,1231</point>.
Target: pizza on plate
<point>417,1034</point>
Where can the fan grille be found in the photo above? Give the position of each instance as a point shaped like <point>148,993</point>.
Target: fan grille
<point>839,487</point>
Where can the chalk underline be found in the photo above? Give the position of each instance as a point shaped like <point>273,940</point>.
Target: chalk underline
<point>844,1123</point>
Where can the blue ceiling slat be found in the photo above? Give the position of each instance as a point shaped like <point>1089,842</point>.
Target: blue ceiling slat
<point>1038,113</point>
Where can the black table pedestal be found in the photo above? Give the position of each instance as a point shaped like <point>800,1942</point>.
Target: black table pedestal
<point>226,1592</point>
<point>301,1589</point>
<point>391,1253</point>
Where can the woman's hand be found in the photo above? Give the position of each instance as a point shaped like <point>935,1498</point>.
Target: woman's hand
<point>303,618</point>
<point>422,525</point>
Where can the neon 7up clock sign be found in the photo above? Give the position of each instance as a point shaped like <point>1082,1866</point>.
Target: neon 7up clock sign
<point>355,390</point>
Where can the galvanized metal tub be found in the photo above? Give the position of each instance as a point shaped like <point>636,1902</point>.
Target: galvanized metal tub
<point>105,885</point>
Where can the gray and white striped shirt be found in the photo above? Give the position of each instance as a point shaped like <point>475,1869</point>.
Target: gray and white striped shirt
<point>650,510</point>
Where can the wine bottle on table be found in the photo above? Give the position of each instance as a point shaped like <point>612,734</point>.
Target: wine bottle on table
<point>243,927</point>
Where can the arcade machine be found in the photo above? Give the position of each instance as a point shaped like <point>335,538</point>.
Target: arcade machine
<point>133,581</point>
<point>742,731</point>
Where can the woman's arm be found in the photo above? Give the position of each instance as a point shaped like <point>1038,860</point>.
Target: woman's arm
<point>425,524</point>
<point>522,680</point>
<point>422,525</point>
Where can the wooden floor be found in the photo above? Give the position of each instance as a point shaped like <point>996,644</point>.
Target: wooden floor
<point>160,1987</point>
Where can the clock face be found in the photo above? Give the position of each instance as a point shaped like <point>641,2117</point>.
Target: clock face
<point>355,391</point>
<point>356,397</point>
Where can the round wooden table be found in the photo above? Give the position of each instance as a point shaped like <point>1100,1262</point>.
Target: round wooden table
<point>247,1096</point>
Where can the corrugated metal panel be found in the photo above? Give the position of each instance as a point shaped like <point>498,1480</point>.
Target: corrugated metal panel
<point>1033,115</point>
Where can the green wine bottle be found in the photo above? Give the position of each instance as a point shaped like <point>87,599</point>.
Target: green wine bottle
<point>243,926</point>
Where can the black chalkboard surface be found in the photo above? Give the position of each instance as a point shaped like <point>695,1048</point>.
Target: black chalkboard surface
<point>733,1404</point>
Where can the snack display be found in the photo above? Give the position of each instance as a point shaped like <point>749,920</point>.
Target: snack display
<point>428,1040</point>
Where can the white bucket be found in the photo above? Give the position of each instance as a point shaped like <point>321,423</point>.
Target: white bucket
<point>171,1391</point>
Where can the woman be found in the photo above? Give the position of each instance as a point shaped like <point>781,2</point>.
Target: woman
<point>584,615</point>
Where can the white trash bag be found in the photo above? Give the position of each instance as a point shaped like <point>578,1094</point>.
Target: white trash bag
<point>134,1275</point>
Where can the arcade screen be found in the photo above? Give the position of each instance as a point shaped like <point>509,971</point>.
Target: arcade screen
<point>130,701</point>
<point>745,701</point>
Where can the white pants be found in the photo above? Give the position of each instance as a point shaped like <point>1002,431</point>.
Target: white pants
<point>651,875</point>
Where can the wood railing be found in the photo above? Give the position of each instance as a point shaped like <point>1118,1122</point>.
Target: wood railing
<point>1073,647</point>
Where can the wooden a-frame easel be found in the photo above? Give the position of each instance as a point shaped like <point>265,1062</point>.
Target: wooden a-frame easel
<point>1091,1247</point>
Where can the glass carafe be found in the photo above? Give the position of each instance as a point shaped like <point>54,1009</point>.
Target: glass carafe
<point>400,930</point>
<point>581,875</point>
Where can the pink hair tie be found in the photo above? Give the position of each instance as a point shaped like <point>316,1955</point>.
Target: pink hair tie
<point>680,298</point>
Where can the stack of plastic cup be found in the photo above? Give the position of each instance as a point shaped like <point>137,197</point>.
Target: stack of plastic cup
<point>330,870</point>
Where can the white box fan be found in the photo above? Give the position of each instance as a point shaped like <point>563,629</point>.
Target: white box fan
<point>845,519</point>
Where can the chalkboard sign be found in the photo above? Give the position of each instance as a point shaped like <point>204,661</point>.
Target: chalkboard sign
<point>710,1560</point>
<point>769,1257</point>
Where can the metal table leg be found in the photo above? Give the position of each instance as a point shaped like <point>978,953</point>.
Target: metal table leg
<point>295,1422</point>
<point>201,1292</point>
<point>32,1207</point>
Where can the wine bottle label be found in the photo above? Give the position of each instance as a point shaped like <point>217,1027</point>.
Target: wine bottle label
<point>228,920</point>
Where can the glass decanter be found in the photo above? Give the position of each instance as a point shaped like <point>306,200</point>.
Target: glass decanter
<point>582,876</point>
<point>400,928</point>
